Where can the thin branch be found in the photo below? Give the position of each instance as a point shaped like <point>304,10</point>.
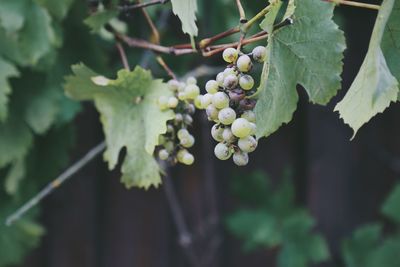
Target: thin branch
<point>185,238</point>
<point>142,5</point>
<point>68,173</point>
<point>355,4</point>
<point>122,54</point>
<point>161,61</point>
<point>241,12</point>
<point>208,41</point>
<point>258,16</point>
<point>155,38</point>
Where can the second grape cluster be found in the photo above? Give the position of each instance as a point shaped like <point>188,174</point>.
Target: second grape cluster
<point>227,103</point>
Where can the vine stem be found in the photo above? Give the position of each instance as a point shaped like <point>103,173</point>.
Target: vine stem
<point>122,54</point>
<point>242,14</point>
<point>353,3</point>
<point>68,173</point>
<point>142,5</point>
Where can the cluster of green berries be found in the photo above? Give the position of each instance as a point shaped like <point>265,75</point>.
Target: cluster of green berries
<point>175,142</point>
<point>227,103</point>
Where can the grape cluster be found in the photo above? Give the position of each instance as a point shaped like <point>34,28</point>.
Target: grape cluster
<point>174,143</point>
<point>227,103</point>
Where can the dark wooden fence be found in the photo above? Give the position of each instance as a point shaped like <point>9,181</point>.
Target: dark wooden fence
<point>92,221</point>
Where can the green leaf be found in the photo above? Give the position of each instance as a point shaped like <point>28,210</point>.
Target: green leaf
<point>357,249</point>
<point>269,21</point>
<point>386,254</point>
<point>97,20</point>
<point>12,14</point>
<point>58,9</point>
<point>186,11</point>
<point>294,57</point>
<point>14,176</point>
<point>7,70</point>
<point>131,118</point>
<point>391,207</point>
<point>374,87</point>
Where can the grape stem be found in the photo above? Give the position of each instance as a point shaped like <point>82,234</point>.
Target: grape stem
<point>353,3</point>
<point>122,54</point>
<point>130,7</point>
<point>241,12</point>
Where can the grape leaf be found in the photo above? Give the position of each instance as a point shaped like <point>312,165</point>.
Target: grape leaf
<point>374,87</point>
<point>391,207</point>
<point>6,70</point>
<point>294,57</point>
<point>186,11</point>
<point>131,118</point>
<point>12,14</point>
<point>97,20</point>
<point>57,9</point>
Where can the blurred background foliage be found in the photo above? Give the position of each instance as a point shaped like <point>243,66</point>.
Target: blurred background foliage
<point>41,39</point>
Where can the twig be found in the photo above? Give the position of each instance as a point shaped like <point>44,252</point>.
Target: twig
<point>142,5</point>
<point>161,61</point>
<point>258,16</point>
<point>68,173</point>
<point>353,3</point>
<point>241,12</point>
<point>208,41</point>
<point>185,238</point>
<point>155,38</point>
<point>122,54</point>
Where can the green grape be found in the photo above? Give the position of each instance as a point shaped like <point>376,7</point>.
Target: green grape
<point>240,158</point>
<point>228,136</point>
<point>249,115</point>
<point>246,82</point>
<point>187,119</point>
<point>206,100</point>
<point>191,80</point>
<point>216,133</point>
<point>230,81</point>
<point>212,86</point>
<point>241,127</point>
<point>163,102</point>
<point>253,128</point>
<point>182,133</point>
<point>220,100</point>
<point>222,151</point>
<point>244,63</point>
<point>180,154</point>
<point>187,141</point>
<point>169,146</point>
<point>220,78</point>
<point>178,117</point>
<point>163,154</point>
<point>173,85</point>
<point>192,91</point>
<point>226,116</point>
<point>229,71</point>
<point>230,55</point>
<point>172,102</point>
<point>182,96</point>
<point>170,128</point>
<point>190,108</point>
<point>247,144</point>
<point>259,53</point>
<point>187,159</point>
<point>212,112</point>
<point>198,102</point>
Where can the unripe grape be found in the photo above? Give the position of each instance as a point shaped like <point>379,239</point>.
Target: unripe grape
<point>169,146</point>
<point>206,100</point>
<point>182,86</point>
<point>244,63</point>
<point>161,139</point>
<point>216,133</point>
<point>229,71</point>
<point>197,102</point>
<point>187,141</point>
<point>259,53</point>
<point>241,127</point>
<point>180,154</point>
<point>220,78</point>
<point>182,95</point>
<point>170,128</point>
<point>253,128</point>
<point>173,85</point>
<point>172,102</point>
<point>240,158</point>
<point>247,144</point>
<point>226,116</point>
<point>212,86</point>
<point>187,119</point>
<point>230,81</point>
<point>178,117</point>
<point>163,154</point>
<point>228,136</point>
<point>230,55</point>
<point>192,91</point>
<point>222,151</point>
<point>163,102</point>
<point>249,115</point>
<point>220,100</point>
<point>191,80</point>
<point>182,133</point>
<point>246,82</point>
<point>191,108</point>
<point>236,94</point>
<point>212,112</point>
<point>247,104</point>
<point>187,159</point>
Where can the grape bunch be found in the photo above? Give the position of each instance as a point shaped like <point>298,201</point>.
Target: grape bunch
<point>175,142</point>
<point>228,103</point>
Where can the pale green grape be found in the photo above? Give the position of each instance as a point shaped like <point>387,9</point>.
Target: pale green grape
<point>187,141</point>
<point>169,146</point>
<point>198,102</point>
<point>220,78</point>
<point>247,144</point>
<point>187,119</point>
<point>241,127</point>
<point>230,55</point>
<point>216,133</point>
<point>220,100</point>
<point>244,63</point>
<point>222,151</point>
<point>163,154</point>
<point>206,100</point>
<point>180,154</point>
<point>253,128</point>
<point>173,85</point>
<point>182,133</point>
<point>229,71</point>
<point>212,112</point>
<point>163,102</point>
<point>192,91</point>
<point>240,158</point>
<point>228,136</point>
<point>172,102</point>
<point>259,53</point>
<point>182,95</point>
<point>249,115</point>
<point>212,86</point>
<point>226,116</point>
<point>246,82</point>
<point>191,80</point>
<point>178,117</point>
<point>187,159</point>
<point>230,81</point>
